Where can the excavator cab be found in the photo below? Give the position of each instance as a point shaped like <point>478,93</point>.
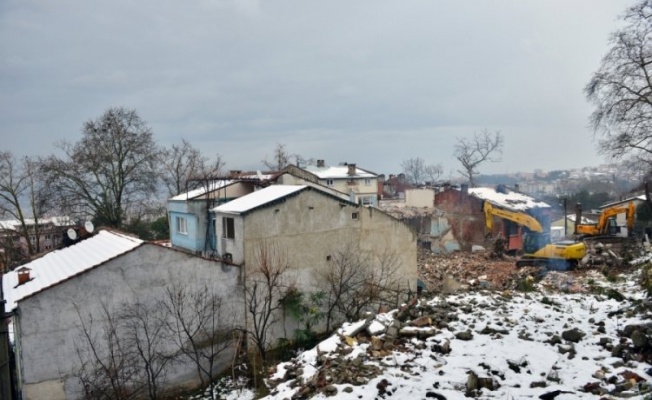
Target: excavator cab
<point>539,252</point>
<point>534,242</point>
<point>612,227</point>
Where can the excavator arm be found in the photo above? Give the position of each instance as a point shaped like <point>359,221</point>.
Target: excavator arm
<point>519,217</point>
<point>603,223</point>
<point>538,251</point>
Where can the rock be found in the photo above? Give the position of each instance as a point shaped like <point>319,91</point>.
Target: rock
<point>421,321</point>
<point>573,335</point>
<point>382,386</point>
<point>330,390</point>
<point>488,383</point>
<point>376,343</point>
<point>443,348</point>
<point>555,339</point>
<point>450,285</point>
<point>471,382</point>
<point>464,335</point>
<point>639,340</point>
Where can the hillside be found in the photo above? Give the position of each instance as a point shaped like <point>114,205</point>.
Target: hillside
<point>488,344</point>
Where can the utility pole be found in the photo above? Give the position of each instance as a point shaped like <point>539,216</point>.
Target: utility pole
<point>565,218</point>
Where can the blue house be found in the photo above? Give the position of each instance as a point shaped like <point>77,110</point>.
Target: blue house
<point>191,226</point>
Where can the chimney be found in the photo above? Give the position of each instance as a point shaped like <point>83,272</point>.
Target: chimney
<point>23,275</point>
<point>465,188</point>
<point>351,171</point>
<point>517,187</point>
<point>320,164</point>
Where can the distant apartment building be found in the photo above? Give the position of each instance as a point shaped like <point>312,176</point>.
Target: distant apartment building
<point>360,184</point>
<point>41,236</point>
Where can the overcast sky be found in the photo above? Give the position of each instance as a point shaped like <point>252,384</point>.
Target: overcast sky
<point>371,82</point>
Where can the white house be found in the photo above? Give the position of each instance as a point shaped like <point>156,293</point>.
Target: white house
<point>360,184</point>
<point>49,298</point>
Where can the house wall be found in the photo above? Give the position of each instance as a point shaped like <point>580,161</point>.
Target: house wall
<point>309,227</point>
<point>419,197</point>
<point>195,212</point>
<point>465,219</point>
<point>48,324</point>
<point>289,179</point>
<point>234,246</point>
<point>357,188</point>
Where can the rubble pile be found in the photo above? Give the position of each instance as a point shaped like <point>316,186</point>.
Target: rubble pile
<point>450,272</point>
<point>484,344</point>
<point>481,270</point>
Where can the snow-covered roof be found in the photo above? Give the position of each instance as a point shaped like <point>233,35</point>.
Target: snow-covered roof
<point>507,199</point>
<point>338,172</point>
<point>640,198</point>
<point>584,220</point>
<point>65,263</point>
<point>191,194</point>
<point>12,224</point>
<point>258,198</point>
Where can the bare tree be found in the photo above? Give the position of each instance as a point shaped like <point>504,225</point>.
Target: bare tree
<point>107,369</point>
<point>280,158</point>
<point>111,170</point>
<point>621,91</point>
<point>146,338</point>
<point>433,172</point>
<point>473,152</point>
<point>184,167</point>
<point>23,196</point>
<point>267,284</point>
<point>202,326</point>
<point>417,171</point>
<point>356,282</point>
<point>414,170</point>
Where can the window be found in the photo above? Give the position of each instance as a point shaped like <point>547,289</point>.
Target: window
<point>354,215</point>
<point>366,200</point>
<point>182,225</point>
<point>367,181</point>
<point>329,182</point>
<point>228,228</point>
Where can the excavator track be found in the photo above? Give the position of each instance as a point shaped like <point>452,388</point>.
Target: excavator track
<point>556,264</point>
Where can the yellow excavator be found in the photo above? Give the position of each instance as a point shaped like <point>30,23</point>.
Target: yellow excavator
<point>537,249</point>
<point>606,226</point>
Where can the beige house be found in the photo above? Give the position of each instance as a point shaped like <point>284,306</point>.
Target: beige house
<point>361,185</point>
<point>307,227</point>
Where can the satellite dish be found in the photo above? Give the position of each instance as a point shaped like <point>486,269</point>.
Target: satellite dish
<point>72,235</point>
<point>88,225</point>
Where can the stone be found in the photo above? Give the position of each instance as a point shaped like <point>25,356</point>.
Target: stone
<point>422,321</point>
<point>639,340</point>
<point>573,335</point>
<point>464,335</point>
<point>330,390</point>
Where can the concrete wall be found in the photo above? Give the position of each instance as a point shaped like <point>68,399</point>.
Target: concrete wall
<point>465,219</point>
<point>48,324</point>
<point>307,228</point>
<point>195,212</point>
<point>356,186</point>
<point>419,197</point>
<point>289,179</point>
<point>234,246</point>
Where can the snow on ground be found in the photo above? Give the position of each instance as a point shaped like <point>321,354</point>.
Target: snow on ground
<point>521,345</point>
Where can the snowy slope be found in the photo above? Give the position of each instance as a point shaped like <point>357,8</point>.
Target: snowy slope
<point>521,345</point>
